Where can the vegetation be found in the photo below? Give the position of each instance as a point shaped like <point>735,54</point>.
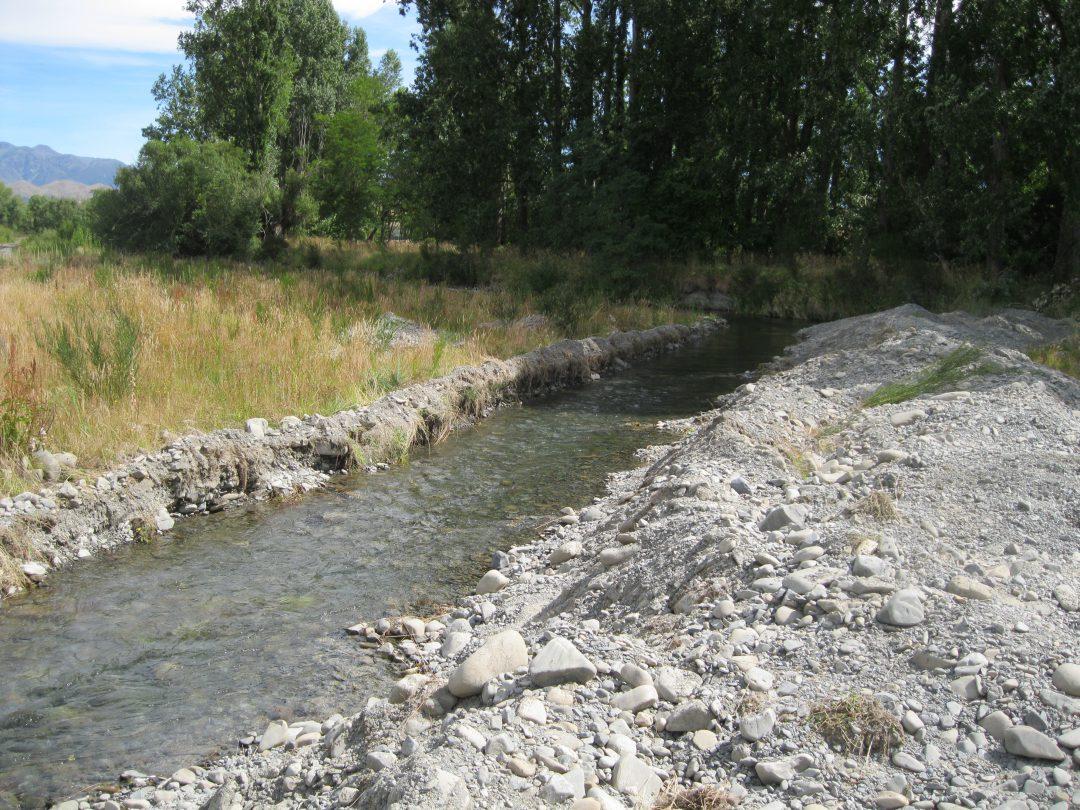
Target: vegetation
<point>103,351</point>
<point>940,376</point>
<point>936,133</point>
<point>857,724</point>
<point>1063,356</point>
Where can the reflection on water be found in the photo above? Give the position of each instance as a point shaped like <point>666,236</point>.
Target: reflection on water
<point>152,657</point>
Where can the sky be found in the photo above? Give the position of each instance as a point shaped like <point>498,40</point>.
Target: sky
<point>76,74</point>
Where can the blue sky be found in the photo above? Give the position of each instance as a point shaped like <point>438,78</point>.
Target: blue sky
<point>76,74</point>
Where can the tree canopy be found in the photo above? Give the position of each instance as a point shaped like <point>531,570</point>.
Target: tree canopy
<point>936,129</point>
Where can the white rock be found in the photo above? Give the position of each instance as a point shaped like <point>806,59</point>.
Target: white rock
<point>906,417</point>
<point>276,733</point>
<point>34,570</point>
<point>560,662</point>
<point>638,698</point>
<point>533,710</point>
<point>407,687</point>
<point>503,652</point>
<point>567,551</point>
<point>256,427</point>
<point>689,716</point>
<point>1067,679</point>
<point>492,582</point>
<point>1024,741</point>
<point>773,773</point>
<point>634,778</point>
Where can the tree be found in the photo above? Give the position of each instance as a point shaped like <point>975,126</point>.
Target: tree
<point>11,208</point>
<point>353,166</point>
<point>186,197</point>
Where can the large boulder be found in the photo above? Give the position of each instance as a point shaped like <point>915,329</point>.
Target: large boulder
<point>503,652</point>
<point>560,662</point>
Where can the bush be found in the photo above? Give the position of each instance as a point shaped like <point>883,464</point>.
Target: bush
<point>101,360</point>
<point>185,197</point>
<point>11,208</point>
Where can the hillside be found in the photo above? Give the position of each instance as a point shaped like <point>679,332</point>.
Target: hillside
<point>41,165</point>
<point>61,189</point>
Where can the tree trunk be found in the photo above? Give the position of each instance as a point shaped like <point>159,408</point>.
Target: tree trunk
<point>557,88</point>
<point>888,155</point>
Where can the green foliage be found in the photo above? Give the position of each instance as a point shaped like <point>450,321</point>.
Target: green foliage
<point>945,373</point>
<point>1063,356</point>
<point>350,175</point>
<point>98,351</point>
<point>185,197</point>
<point>933,132</point>
<point>11,208</point>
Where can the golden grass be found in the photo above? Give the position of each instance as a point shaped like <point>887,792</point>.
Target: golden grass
<point>857,724</point>
<point>220,342</point>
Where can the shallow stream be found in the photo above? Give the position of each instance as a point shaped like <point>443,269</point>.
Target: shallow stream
<point>151,656</point>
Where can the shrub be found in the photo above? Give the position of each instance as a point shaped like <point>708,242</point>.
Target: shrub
<point>186,197</point>
<point>857,724</point>
<point>100,360</point>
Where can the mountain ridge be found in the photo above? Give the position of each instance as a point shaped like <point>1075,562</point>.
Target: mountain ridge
<point>41,165</point>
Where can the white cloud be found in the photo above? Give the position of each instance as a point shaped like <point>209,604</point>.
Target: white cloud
<point>149,26</point>
<point>146,26</point>
<point>359,8</point>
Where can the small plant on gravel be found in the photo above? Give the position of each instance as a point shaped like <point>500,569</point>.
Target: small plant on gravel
<point>751,703</point>
<point>15,549</point>
<point>957,365</point>
<point>1063,356</point>
<point>857,724</point>
<point>802,464</point>
<point>708,797</point>
<point>879,505</point>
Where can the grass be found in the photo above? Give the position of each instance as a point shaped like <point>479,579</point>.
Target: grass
<point>879,505</point>
<point>946,373</point>
<point>1063,356</point>
<point>706,797</point>
<point>100,352</point>
<point>857,724</point>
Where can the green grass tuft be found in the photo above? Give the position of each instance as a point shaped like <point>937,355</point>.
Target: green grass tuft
<point>957,365</point>
<point>1063,356</point>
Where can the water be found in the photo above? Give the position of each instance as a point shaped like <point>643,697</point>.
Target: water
<point>153,657</point>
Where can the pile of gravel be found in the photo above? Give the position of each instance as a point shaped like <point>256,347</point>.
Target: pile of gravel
<point>804,603</point>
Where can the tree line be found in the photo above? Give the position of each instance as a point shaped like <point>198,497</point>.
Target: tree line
<point>931,130</point>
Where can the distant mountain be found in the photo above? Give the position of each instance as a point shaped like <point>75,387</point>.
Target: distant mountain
<point>41,165</point>
<point>64,189</point>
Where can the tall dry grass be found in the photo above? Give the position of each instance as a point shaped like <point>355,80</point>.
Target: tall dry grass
<point>219,342</point>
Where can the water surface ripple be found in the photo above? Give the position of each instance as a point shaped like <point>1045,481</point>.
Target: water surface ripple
<point>152,655</point>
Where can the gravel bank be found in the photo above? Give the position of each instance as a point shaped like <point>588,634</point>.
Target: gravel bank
<point>207,472</point>
<point>803,603</point>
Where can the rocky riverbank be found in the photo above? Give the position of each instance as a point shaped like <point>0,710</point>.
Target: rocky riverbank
<point>206,472</point>
<point>810,601</point>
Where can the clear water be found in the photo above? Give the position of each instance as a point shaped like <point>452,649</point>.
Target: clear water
<point>154,655</point>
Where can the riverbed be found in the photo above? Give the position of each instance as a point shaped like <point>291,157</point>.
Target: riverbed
<point>154,655</point>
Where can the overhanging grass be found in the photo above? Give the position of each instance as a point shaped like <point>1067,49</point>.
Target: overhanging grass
<point>945,373</point>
